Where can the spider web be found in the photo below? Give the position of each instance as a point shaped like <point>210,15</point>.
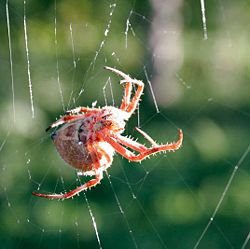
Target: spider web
<point>193,60</point>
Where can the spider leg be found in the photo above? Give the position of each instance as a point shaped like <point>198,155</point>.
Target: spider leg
<point>147,137</point>
<point>149,151</point>
<point>81,109</point>
<point>127,96</point>
<point>64,119</point>
<point>130,143</point>
<point>74,192</point>
<point>71,115</point>
<point>135,100</point>
<point>127,104</point>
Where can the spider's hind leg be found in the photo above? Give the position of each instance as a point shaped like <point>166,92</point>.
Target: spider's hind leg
<point>87,185</point>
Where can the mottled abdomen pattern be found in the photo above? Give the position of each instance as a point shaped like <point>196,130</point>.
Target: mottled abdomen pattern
<point>77,149</point>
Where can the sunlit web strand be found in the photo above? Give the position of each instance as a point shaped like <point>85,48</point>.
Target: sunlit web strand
<point>183,82</point>
<point>231,107</point>
<point>71,97</point>
<point>151,89</point>
<point>93,221</point>
<point>204,22</point>
<point>9,204</point>
<point>35,226</point>
<point>104,93</point>
<point>229,38</point>
<point>40,183</point>
<point>57,62</point>
<point>141,207</point>
<point>122,212</point>
<point>77,233</point>
<point>223,195</point>
<point>138,116</point>
<point>108,82</point>
<point>60,228</point>
<point>193,194</point>
<point>141,16</point>
<point>246,241</point>
<point>106,32</point>
<point>28,59</point>
<point>128,25</point>
<point>72,44</point>
<point>116,58</point>
<point>11,62</point>
<point>4,141</point>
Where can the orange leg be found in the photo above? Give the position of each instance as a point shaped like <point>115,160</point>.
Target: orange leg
<point>147,137</point>
<point>74,192</point>
<point>127,104</point>
<point>130,143</point>
<point>81,109</point>
<point>127,96</point>
<point>89,184</point>
<point>135,101</point>
<point>73,114</point>
<point>142,155</point>
<point>65,119</point>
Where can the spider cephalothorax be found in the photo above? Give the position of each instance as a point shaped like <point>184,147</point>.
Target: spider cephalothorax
<point>88,137</point>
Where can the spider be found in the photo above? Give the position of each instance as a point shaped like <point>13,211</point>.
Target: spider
<point>88,137</point>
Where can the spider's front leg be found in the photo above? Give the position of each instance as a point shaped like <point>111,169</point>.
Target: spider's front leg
<point>63,120</point>
<point>72,115</point>
<point>81,109</point>
<point>127,104</point>
<point>74,192</point>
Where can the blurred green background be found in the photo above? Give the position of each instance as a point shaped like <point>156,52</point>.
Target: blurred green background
<point>201,86</point>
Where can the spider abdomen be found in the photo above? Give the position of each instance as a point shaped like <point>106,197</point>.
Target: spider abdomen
<point>81,151</point>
